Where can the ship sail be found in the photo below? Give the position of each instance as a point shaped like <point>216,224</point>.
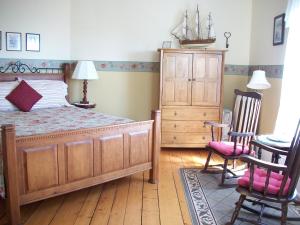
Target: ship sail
<point>181,30</point>
<point>198,31</point>
<point>210,28</point>
<point>185,26</point>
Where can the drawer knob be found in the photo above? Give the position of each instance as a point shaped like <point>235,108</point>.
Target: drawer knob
<point>204,114</point>
<point>174,137</point>
<point>175,113</point>
<point>203,138</point>
<point>189,79</point>
<point>175,125</point>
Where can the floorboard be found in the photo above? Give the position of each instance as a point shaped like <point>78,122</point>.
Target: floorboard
<point>105,203</point>
<point>87,211</point>
<point>150,212</point>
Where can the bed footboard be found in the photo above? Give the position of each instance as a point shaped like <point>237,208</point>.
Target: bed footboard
<point>44,166</point>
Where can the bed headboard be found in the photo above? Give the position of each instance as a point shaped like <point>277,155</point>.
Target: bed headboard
<point>17,70</point>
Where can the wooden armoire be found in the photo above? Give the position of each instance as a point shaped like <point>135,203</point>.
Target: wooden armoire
<point>191,83</point>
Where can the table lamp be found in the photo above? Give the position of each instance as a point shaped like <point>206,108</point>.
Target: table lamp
<point>85,70</point>
<point>258,81</point>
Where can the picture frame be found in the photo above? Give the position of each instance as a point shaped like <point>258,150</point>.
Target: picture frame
<point>167,44</point>
<point>32,42</point>
<point>278,30</point>
<point>13,41</point>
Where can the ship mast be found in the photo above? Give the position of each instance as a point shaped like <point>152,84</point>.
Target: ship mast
<point>198,19</point>
<point>186,25</point>
<point>209,26</point>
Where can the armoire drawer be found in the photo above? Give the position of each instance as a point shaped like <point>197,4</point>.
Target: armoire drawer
<point>184,126</point>
<point>185,138</point>
<point>190,114</point>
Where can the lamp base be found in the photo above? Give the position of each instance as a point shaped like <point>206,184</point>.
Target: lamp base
<point>84,100</point>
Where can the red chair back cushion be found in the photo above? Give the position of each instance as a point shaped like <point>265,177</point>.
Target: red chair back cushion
<point>24,97</point>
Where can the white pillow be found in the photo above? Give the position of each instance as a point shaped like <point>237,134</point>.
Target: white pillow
<point>54,93</point>
<point>5,89</point>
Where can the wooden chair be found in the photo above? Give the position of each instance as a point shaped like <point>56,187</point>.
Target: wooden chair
<point>242,129</point>
<point>270,182</point>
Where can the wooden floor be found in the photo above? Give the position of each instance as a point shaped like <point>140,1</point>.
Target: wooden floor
<point>127,201</point>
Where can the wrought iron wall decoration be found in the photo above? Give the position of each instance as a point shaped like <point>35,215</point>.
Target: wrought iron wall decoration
<point>227,35</point>
<point>18,67</point>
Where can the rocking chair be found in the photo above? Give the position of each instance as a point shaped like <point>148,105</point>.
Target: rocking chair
<point>270,182</point>
<point>242,129</point>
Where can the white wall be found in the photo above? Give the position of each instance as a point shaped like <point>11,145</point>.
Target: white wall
<point>49,18</point>
<point>262,50</point>
<point>115,30</point>
<point>132,30</point>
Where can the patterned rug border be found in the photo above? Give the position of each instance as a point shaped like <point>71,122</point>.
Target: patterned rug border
<point>196,220</point>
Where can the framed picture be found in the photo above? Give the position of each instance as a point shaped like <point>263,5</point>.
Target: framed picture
<point>278,30</point>
<point>32,42</point>
<point>13,41</point>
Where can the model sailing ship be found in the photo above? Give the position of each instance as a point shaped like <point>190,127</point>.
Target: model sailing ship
<point>193,35</point>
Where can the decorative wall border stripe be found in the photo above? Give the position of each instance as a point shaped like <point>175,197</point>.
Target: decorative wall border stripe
<point>273,71</point>
<point>236,69</point>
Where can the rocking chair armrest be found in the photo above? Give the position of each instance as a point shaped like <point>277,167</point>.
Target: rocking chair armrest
<point>215,124</point>
<point>241,134</point>
<point>258,162</point>
<point>268,148</point>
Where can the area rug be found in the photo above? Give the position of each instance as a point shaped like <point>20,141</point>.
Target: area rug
<point>211,204</point>
<point>200,211</point>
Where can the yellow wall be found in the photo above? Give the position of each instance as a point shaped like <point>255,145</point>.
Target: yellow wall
<point>128,94</point>
<point>232,82</point>
<point>270,106</point>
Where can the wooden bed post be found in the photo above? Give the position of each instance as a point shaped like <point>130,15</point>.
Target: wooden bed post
<point>154,172</point>
<point>10,166</point>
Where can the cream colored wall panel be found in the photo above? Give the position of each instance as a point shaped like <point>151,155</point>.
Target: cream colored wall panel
<point>50,19</point>
<point>262,51</point>
<point>133,29</point>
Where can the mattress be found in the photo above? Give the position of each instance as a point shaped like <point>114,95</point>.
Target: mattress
<point>43,121</point>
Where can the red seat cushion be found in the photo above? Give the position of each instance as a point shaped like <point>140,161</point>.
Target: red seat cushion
<point>226,148</point>
<point>259,181</point>
<point>24,97</point>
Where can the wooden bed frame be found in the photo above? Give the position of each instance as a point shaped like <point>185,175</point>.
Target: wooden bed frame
<point>42,166</point>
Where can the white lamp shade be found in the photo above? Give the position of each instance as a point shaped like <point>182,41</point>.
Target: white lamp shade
<point>258,80</point>
<point>85,70</point>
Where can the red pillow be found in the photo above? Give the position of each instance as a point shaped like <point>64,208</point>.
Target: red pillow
<point>24,96</point>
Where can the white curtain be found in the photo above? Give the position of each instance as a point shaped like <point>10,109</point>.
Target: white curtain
<point>289,111</point>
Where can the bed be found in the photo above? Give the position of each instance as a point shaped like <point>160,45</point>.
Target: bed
<point>42,161</point>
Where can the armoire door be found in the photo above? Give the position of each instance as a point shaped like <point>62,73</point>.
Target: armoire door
<point>206,85</point>
<point>176,80</point>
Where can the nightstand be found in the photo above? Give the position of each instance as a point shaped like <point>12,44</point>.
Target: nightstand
<point>84,106</point>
